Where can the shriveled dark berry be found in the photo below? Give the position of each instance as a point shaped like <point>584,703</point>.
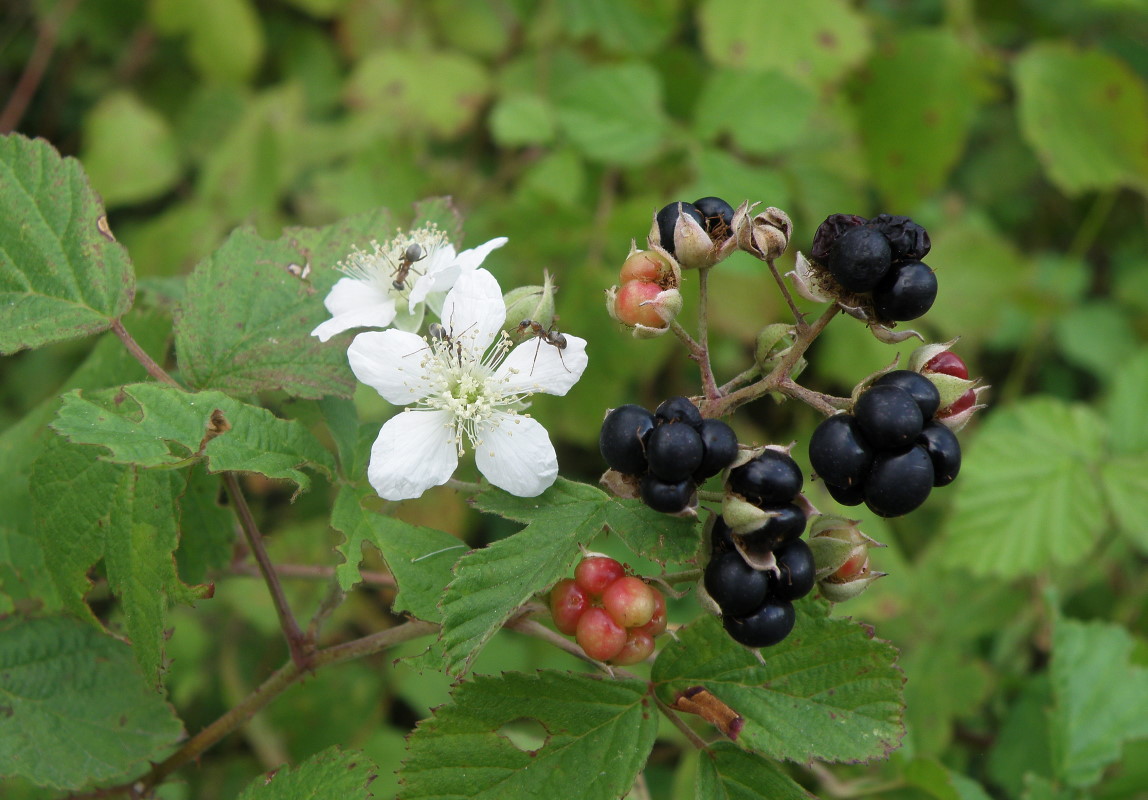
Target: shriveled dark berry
<point>720,445</point>
<point>668,220</point>
<point>674,451</point>
<point>785,527</point>
<point>828,232</point>
<point>907,292</point>
<point>859,259</point>
<point>847,495</point>
<point>668,498</point>
<point>920,388</point>
<point>721,536</point>
<point>717,215</point>
<point>678,409</point>
<point>765,627</point>
<point>623,437</point>
<point>734,585</point>
<point>795,563</point>
<point>945,451</point>
<point>899,481</point>
<point>770,479</point>
<point>838,452</point>
<point>907,240</point>
<point>888,417</point>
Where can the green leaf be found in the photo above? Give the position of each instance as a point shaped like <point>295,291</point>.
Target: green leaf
<point>1023,742</point>
<point>1085,112</point>
<point>419,90</point>
<point>613,114</point>
<point>129,150</point>
<point>74,709</point>
<point>809,40</point>
<point>829,691</point>
<point>1125,482</point>
<point>86,510</point>
<point>522,119</point>
<point>726,772</point>
<point>1026,497</point>
<point>940,782</point>
<point>491,583</point>
<point>651,534</point>
<point>207,529</point>
<point>62,274</point>
<point>772,111</point>
<point>1127,424</point>
<point>626,27</point>
<point>152,425</point>
<point>598,734</point>
<point>1098,698</point>
<point>915,112</point>
<point>226,40</point>
<point>246,323</point>
<point>420,558</point>
<point>329,774</point>
<point>1097,336</point>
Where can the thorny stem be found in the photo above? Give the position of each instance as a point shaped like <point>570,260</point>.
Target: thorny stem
<point>694,348</point>
<point>297,642</point>
<point>709,386</point>
<point>740,380</point>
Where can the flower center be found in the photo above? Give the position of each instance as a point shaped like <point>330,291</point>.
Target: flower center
<point>392,267</point>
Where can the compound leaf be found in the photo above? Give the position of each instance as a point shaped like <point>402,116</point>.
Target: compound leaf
<point>1026,497</point>
<point>331,773</point>
<point>62,273</point>
<point>74,709</point>
<point>1098,698</point>
<point>598,734</point>
<point>829,691</point>
<point>614,114</point>
<point>151,425</point>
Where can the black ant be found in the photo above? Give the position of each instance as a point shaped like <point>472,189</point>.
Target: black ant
<point>412,254</point>
<point>550,335</point>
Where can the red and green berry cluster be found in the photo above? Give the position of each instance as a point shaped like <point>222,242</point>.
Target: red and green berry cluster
<point>756,599</point>
<point>891,451</point>
<point>881,257</point>
<point>613,616</point>
<point>670,451</point>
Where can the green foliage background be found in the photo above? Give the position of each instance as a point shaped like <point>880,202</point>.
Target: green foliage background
<point>1016,132</point>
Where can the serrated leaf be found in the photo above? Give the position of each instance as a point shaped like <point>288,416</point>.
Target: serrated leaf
<point>1099,698</point>
<point>74,709</point>
<point>62,275</point>
<point>245,324</point>
<point>420,558</point>
<point>491,583</point>
<point>1125,481</point>
<point>86,510</point>
<point>614,114</point>
<point>829,691</point>
<point>598,735</point>
<point>913,144</point>
<point>1026,497</point>
<point>818,40</point>
<point>726,772</point>
<point>207,529</point>
<point>1085,112</point>
<point>151,425</point>
<point>329,774</point>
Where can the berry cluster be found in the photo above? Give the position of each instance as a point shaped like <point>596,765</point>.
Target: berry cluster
<point>891,451</point>
<point>757,604</point>
<point>670,451</point>
<point>613,616</point>
<point>713,214</point>
<point>881,256</point>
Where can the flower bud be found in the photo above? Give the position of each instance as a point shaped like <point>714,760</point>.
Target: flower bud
<point>530,302</point>
<point>765,235</point>
<point>839,547</point>
<point>840,592</point>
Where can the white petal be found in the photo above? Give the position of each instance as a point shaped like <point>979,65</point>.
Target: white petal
<point>473,258</point>
<point>537,366</point>
<point>415,451</point>
<point>515,454</point>
<point>391,363</point>
<point>474,311</point>
<point>439,274</point>
<point>355,304</point>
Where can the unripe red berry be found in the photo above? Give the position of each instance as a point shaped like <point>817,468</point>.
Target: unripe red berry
<point>965,401</point>
<point>657,624</point>
<point>628,306</point>
<point>567,602</point>
<point>647,266</point>
<point>595,573</point>
<point>629,602</point>
<point>638,647</point>
<point>599,636</point>
<point>947,363</point>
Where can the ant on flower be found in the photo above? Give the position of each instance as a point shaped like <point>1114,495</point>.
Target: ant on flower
<point>410,256</point>
<point>552,336</point>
